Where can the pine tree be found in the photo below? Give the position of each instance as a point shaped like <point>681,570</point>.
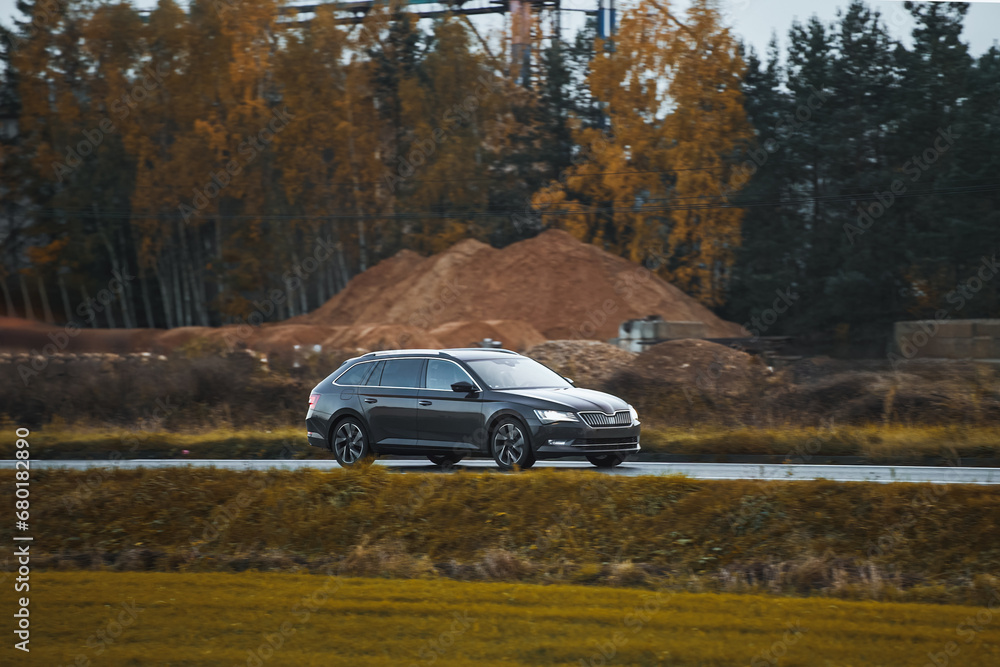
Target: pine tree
<point>768,256</point>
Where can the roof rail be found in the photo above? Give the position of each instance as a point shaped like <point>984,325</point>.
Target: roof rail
<point>482,349</point>
<point>381,353</point>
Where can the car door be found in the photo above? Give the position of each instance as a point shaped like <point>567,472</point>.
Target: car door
<point>389,399</point>
<point>448,419</point>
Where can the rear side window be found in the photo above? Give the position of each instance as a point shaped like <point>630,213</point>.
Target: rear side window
<point>401,373</point>
<point>355,374</point>
<point>376,375</point>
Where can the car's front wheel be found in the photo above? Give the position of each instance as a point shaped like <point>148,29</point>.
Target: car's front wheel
<point>606,460</point>
<point>445,460</point>
<point>350,444</point>
<point>510,445</point>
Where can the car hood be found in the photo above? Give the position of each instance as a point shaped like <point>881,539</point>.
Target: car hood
<point>572,398</point>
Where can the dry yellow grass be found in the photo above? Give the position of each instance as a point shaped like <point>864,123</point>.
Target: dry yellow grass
<point>874,442</point>
<point>889,443</point>
<point>888,541</point>
<point>220,619</point>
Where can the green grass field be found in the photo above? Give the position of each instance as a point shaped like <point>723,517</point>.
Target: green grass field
<point>255,619</point>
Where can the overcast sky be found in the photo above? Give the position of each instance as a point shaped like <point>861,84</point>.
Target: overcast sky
<point>756,20</point>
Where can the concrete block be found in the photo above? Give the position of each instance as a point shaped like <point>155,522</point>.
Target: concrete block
<point>937,347</point>
<point>906,328</point>
<point>955,328</point>
<point>982,347</point>
<point>989,328</point>
<point>679,329</point>
<point>961,348</point>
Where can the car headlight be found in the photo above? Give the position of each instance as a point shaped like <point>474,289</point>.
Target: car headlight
<point>552,416</point>
<point>634,414</point>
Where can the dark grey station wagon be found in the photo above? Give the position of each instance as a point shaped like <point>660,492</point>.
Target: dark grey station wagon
<point>457,403</point>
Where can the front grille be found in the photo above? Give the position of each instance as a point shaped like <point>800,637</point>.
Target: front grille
<point>608,444</point>
<point>620,418</point>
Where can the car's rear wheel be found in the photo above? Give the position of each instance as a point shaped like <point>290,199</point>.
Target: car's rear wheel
<point>606,460</point>
<point>510,445</point>
<point>350,443</point>
<point>445,460</point>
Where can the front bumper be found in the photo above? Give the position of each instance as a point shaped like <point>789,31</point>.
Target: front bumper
<point>579,439</point>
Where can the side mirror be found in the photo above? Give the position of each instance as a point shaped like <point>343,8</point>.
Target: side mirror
<point>463,387</point>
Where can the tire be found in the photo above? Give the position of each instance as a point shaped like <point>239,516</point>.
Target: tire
<point>445,460</point>
<point>606,460</point>
<point>510,445</point>
<point>350,443</point>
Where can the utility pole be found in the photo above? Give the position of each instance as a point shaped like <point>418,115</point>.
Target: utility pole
<point>520,47</point>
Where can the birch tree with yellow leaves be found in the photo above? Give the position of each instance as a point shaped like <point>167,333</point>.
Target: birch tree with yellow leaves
<point>648,184</point>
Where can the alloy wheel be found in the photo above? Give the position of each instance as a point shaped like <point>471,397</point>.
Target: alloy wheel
<point>349,443</point>
<point>509,444</point>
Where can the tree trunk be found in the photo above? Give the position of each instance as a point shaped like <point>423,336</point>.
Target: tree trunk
<point>165,295</point>
<point>290,299</point>
<point>362,245</point>
<point>200,282</point>
<point>180,268</point>
<point>303,303</point>
<point>344,276</point>
<point>280,311</point>
<point>147,304</point>
<point>8,300</point>
<point>128,296</point>
<point>109,312</point>
<point>65,297</point>
<point>116,266</point>
<point>46,310</point>
<point>86,300</point>
<point>28,312</point>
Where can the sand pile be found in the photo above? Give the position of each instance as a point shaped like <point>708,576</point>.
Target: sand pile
<point>512,334</point>
<point>549,287</point>
<point>684,360</point>
<point>694,368</point>
<point>589,363</point>
<point>562,287</point>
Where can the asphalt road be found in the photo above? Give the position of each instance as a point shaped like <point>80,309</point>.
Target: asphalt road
<point>841,473</point>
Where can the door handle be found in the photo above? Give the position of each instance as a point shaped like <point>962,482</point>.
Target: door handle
<point>423,402</point>
<point>371,400</point>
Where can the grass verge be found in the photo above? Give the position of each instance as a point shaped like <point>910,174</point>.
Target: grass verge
<point>898,445</point>
<point>913,542</point>
<point>255,619</point>
<point>876,443</point>
<point>62,442</point>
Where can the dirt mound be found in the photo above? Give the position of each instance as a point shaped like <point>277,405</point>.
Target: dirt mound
<point>559,285</point>
<point>18,334</point>
<point>589,363</point>
<point>512,334</point>
<point>683,381</point>
<point>379,337</point>
<point>691,361</point>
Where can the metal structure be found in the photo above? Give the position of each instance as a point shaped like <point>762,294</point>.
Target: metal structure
<point>522,18</point>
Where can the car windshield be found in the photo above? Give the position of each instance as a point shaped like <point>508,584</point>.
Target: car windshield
<point>516,373</point>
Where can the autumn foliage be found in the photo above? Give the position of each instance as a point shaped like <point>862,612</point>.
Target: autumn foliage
<point>209,153</point>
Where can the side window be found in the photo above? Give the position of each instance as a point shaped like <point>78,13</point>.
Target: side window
<point>401,373</point>
<point>443,374</point>
<point>376,375</point>
<point>355,374</point>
